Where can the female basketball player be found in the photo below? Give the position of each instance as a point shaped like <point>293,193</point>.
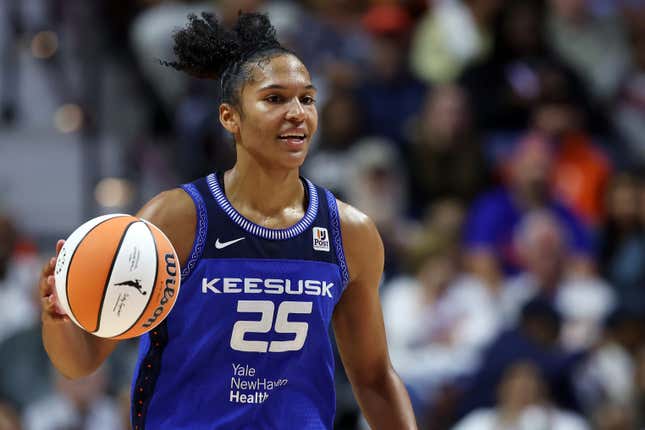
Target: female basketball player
<point>269,261</point>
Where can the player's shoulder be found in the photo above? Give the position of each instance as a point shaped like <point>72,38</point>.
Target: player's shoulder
<point>361,240</point>
<point>174,212</point>
<point>354,221</point>
<point>169,206</point>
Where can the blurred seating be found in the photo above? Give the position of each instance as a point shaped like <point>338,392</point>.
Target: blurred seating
<point>523,404</point>
<point>494,216</point>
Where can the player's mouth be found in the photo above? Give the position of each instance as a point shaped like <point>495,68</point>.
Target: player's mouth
<point>293,140</point>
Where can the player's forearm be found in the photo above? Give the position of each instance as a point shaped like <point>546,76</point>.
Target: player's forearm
<point>72,351</point>
<point>385,403</point>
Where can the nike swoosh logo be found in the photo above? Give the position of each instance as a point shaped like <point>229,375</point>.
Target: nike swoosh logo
<point>221,245</point>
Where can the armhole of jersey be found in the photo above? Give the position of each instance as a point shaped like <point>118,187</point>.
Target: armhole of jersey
<point>337,237</point>
<point>201,230</point>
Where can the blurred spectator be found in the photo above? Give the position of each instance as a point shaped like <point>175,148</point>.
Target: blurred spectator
<point>333,44</point>
<point>9,418</point>
<point>519,70</point>
<point>452,34</point>
<point>377,186</point>
<point>25,374</point>
<point>443,223</point>
<point>151,41</point>
<point>581,167</point>
<point>522,405</point>
<point>594,46</point>
<point>629,106</point>
<point>583,301</point>
<point>494,216</point>
<point>290,19</point>
<point>607,377</point>
<point>389,94</point>
<point>77,404</point>
<point>535,339</point>
<point>613,417</point>
<point>340,126</point>
<point>622,240</point>
<point>445,158</point>
<point>18,276</point>
<point>438,320</point>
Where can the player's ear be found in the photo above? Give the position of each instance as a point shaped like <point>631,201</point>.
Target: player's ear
<point>229,117</point>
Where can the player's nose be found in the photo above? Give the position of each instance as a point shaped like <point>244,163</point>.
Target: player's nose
<point>296,111</point>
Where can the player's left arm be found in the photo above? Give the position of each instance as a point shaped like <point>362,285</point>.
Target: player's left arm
<point>359,329</point>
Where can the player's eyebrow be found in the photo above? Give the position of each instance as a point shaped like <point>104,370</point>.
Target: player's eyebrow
<point>282,87</point>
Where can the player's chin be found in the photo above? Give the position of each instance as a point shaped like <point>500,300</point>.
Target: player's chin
<point>294,159</point>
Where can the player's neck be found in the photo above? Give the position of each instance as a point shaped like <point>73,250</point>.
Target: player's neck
<point>266,192</point>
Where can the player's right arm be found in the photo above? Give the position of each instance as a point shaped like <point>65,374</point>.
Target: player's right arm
<point>75,352</point>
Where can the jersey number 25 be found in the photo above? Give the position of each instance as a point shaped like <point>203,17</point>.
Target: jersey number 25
<point>282,325</point>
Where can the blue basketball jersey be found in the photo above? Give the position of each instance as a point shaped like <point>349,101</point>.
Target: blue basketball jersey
<point>247,345</point>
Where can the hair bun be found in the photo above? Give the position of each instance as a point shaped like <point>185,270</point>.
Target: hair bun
<point>204,48</point>
<point>254,33</point>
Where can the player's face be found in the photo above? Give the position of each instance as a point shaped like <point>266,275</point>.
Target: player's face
<point>278,115</point>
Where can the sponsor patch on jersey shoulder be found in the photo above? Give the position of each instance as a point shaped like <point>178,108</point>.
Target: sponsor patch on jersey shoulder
<point>321,239</point>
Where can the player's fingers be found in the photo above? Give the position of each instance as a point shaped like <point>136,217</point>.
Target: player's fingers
<point>44,284</point>
<point>53,298</point>
<point>48,267</point>
<point>51,305</point>
<point>47,284</point>
<point>48,316</point>
<point>50,311</point>
<point>59,245</point>
<point>46,305</point>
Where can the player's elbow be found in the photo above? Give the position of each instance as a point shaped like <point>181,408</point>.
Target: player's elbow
<point>73,373</point>
<point>76,370</point>
<point>73,366</point>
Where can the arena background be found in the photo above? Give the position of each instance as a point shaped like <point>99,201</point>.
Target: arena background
<point>498,144</point>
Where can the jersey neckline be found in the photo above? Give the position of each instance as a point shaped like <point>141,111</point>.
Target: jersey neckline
<point>255,229</point>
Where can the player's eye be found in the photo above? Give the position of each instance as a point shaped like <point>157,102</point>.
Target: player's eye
<point>307,100</point>
<point>273,98</point>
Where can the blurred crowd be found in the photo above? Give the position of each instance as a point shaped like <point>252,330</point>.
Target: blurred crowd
<point>499,145</point>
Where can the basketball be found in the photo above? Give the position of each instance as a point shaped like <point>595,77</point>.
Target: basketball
<point>117,276</point>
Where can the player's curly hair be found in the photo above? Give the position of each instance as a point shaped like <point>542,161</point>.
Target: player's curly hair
<point>205,49</point>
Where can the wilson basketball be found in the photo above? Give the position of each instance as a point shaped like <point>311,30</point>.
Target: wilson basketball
<point>117,276</point>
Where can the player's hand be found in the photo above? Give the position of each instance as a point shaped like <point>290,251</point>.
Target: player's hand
<point>51,308</point>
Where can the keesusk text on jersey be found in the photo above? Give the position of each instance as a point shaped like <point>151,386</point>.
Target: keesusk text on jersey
<point>310,287</point>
